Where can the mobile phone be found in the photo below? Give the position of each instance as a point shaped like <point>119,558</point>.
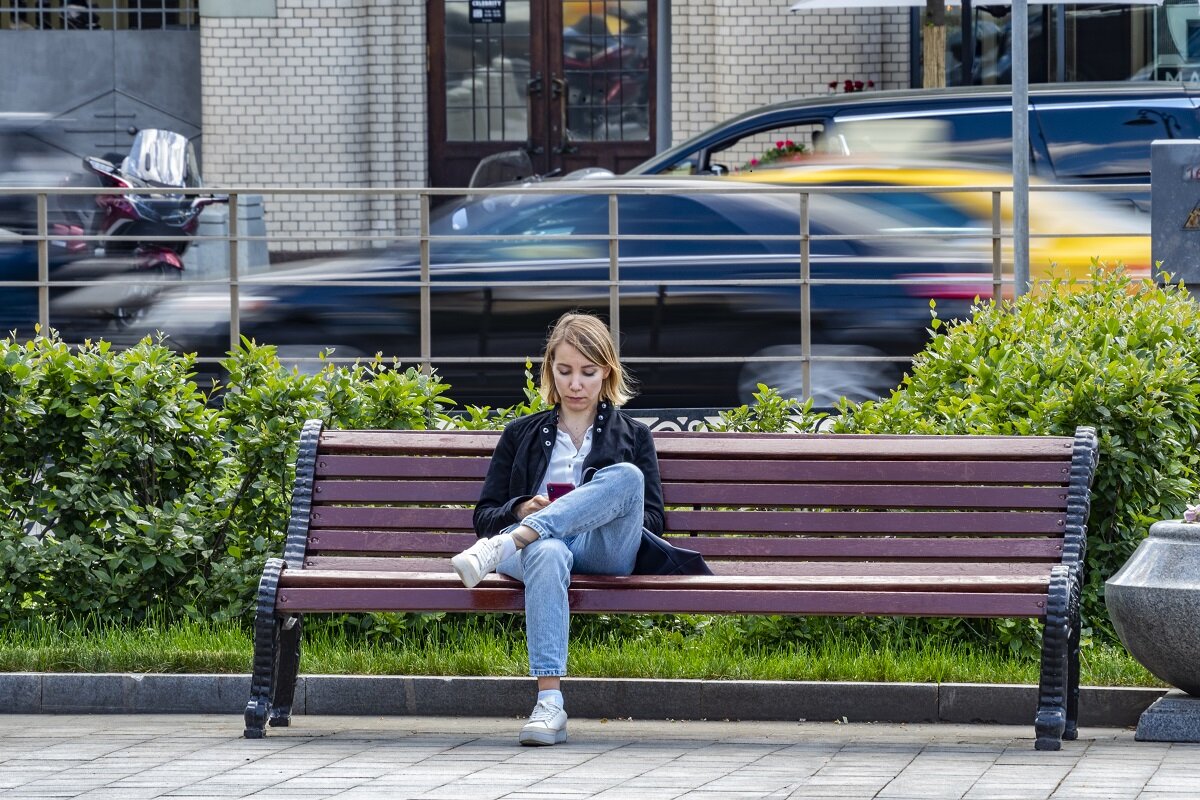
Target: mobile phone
<point>557,490</point>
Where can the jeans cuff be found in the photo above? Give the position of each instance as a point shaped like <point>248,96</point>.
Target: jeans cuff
<point>536,526</point>
<point>547,673</point>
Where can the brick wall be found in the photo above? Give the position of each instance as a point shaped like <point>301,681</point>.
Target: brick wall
<point>318,96</point>
<point>728,56</point>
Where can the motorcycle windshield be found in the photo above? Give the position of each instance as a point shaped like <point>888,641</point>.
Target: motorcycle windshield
<point>162,158</point>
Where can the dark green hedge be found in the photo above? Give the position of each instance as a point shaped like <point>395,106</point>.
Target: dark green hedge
<point>125,488</point>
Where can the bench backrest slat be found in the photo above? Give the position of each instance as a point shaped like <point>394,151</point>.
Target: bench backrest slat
<point>1027,569</point>
<point>770,446</point>
<point>726,494</point>
<point>785,446</point>
<point>1054,473</point>
<point>448,467</point>
<point>892,523</point>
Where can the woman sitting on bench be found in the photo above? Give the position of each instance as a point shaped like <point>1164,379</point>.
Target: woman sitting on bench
<point>575,488</point>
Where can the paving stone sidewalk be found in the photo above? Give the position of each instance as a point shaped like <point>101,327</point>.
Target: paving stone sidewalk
<point>129,757</point>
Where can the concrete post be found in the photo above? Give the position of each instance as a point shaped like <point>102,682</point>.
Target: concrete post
<point>210,259</point>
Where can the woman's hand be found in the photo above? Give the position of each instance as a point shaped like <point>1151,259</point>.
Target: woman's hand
<point>535,503</point>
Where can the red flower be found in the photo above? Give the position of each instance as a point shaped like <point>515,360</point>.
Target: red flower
<point>858,85</point>
<point>870,84</point>
<point>790,143</point>
<point>754,162</point>
<point>833,84</point>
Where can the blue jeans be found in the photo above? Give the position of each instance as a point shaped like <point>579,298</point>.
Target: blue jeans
<point>595,530</point>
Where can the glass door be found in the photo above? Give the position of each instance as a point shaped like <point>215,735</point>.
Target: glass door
<point>569,84</point>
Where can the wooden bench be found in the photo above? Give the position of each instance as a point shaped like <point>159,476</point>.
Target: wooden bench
<point>941,526</point>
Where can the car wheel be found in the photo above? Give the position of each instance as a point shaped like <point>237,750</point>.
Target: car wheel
<point>831,380</point>
<point>142,287</point>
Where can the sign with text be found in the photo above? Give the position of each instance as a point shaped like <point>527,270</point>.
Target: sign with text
<point>487,11</point>
<point>1182,73</point>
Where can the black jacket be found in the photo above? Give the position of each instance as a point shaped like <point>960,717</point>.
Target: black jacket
<point>523,453</point>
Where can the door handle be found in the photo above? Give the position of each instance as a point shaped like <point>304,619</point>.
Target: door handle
<point>532,86</point>
<point>559,93</point>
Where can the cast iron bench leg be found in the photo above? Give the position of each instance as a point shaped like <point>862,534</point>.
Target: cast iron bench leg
<point>1051,720</point>
<point>266,647</point>
<point>1072,730</point>
<point>286,670</point>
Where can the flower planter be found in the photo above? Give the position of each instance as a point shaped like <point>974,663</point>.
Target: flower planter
<point>1154,603</point>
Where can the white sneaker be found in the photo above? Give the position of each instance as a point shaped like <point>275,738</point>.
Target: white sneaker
<point>547,725</point>
<point>474,563</point>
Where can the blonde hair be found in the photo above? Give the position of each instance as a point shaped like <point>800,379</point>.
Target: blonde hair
<point>590,336</point>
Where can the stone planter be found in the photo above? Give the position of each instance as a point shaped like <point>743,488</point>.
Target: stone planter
<point>1154,603</point>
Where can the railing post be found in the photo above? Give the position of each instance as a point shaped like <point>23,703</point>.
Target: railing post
<point>1019,17</point>
<point>235,302</point>
<point>614,288</point>
<point>426,298</point>
<point>997,250</point>
<point>805,301</point>
<point>43,263</point>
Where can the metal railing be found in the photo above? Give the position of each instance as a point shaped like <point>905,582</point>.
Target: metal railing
<point>999,280</point>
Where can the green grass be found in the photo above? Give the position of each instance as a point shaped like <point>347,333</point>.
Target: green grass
<point>716,649</point>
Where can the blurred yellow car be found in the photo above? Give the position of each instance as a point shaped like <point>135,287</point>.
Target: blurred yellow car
<point>1067,229</point>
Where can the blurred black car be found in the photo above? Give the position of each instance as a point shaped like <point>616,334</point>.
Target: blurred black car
<point>1079,133</point>
<point>722,283</point>
<point>89,297</point>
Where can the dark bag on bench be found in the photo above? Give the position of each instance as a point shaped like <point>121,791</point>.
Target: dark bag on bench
<point>657,556</point>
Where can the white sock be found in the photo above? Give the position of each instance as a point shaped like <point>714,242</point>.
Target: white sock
<point>553,695</point>
<point>508,547</point>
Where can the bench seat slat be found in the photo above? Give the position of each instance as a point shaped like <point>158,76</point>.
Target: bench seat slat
<point>309,578</point>
<point>879,523</point>
<point>768,446</point>
<point>753,494</point>
<point>447,544</point>
<point>733,601</point>
<point>334,564</point>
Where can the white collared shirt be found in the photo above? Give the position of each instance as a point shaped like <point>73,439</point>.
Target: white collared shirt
<point>566,463</point>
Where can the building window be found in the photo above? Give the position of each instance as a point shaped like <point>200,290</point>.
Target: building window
<point>1076,43</point>
<point>99,14</point>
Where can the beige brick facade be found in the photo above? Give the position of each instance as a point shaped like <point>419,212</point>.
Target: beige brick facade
<point>321,95</point>
<point>728,56</point>
<point>332,93</point>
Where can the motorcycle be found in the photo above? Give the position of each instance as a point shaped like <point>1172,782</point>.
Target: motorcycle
<point>128,246</point>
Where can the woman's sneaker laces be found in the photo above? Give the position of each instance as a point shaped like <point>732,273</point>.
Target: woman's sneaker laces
<point>547,725</point>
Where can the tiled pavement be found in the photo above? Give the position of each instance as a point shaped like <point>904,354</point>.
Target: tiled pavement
<point>129,757</point>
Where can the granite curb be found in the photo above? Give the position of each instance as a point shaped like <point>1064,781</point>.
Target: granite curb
<point>1005,704</point>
